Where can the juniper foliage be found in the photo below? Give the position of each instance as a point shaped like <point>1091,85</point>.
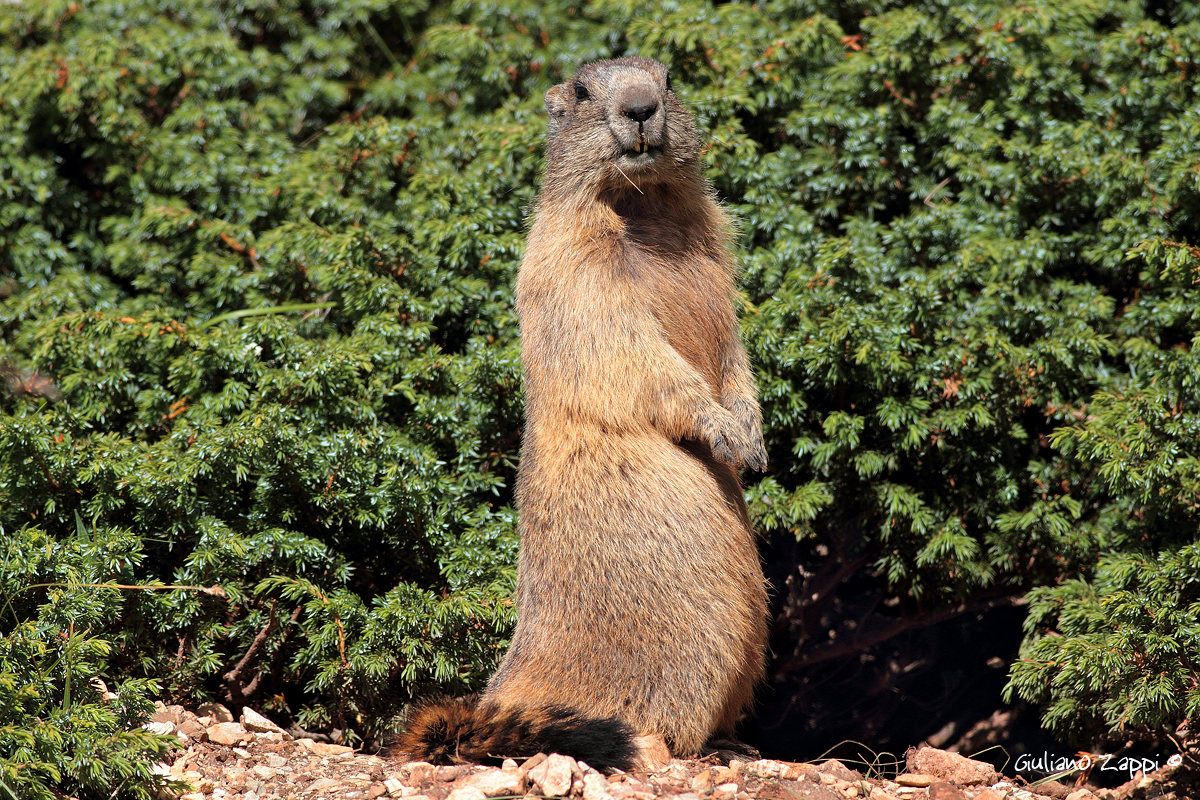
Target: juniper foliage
<point>255,318</point>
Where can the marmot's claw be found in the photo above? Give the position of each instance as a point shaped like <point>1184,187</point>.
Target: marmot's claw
<point>758,459</point>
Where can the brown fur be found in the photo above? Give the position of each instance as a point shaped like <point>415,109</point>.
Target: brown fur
<point>640,595</point>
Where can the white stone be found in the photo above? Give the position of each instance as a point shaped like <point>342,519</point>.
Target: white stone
<point>323,748</point>
<point>496,782</point>
<point>466,793</point>
<point>767,768</point>
<point>725,791</point>
<point>256,722</point>
<point>393,786</point>
<point>554,775</point>
<point>595,787</point>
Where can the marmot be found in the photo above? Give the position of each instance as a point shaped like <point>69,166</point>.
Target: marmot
<point>641,607</point>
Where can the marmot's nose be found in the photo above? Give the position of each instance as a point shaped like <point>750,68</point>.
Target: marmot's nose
<point>640,112</point>
<point>639,103</point>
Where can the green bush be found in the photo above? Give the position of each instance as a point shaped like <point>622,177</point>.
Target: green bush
<point>60,728</point>
<point>967,234</point>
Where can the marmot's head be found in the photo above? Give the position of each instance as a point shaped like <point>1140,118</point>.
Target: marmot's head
<point>617,125</point>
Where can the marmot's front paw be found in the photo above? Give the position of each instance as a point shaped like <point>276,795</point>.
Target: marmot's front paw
<point>731,441</point>
<point>750,419</point>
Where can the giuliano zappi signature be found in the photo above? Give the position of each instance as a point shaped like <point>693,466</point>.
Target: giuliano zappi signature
<point>1049,763</point>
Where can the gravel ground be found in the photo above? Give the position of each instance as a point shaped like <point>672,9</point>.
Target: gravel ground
<point>252,758</point>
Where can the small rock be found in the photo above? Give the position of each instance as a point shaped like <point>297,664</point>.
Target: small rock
<point>235,779</point>
<point>161,728</point>
<point>632,790</point>
<point>102,689</point>
<point>418,772</point>
<point>767,768</point>
<point>496,782</point>
<point>595,787</point>
<point>193,730</point>
<point>725,791</point>
<point>908,779</point>
<point>323,748</point>
<point>989,794</point>
<point>945,791</point>
<point>451,774</point>
<point>322,785</point>
<point>271,737</point>
<point>1078,794</point>
<point>193,796</point>
<point>950,767</point>
<point>652,752</point>
<point>240,753</point>
<point>465,793</point>
<point>532,762</point>
<point>263,772</point>
<point>215,711</point>
<point>838,770</point>
<point>174,714</point>
<point>1052,789</point>
<point>508,763</point>
<point>393,787</point>
<point>254,721</point>
<point>724,775</point>
<point>879,794</point>
<point>275,760</point>
<point>703,782</point>
<point>373,791</point>
<point>554,775</point>
<point>228,733</point>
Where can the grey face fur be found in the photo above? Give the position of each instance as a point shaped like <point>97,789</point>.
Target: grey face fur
<point>617,126</point>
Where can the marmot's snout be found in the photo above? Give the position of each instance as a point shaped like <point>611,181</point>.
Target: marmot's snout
<point>636,115</point>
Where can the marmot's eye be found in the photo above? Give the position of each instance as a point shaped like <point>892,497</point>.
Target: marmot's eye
<point>668,83</point>
<point>581,92</point>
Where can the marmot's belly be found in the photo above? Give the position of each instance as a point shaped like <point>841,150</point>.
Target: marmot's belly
<point>640,593</point>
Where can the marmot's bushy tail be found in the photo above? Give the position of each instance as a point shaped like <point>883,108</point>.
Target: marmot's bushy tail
<point>463,730</point>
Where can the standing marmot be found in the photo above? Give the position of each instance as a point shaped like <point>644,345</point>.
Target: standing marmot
<point>640,598</point>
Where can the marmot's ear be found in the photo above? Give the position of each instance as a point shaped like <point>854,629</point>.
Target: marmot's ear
<point>557,103</point>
